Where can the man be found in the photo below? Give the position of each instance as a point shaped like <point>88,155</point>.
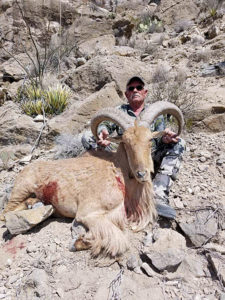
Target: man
<point>168,150</point>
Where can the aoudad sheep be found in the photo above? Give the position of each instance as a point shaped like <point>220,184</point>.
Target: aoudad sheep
<point>106,192</point>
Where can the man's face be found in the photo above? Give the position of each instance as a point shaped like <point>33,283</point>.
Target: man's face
<point>136,93</point>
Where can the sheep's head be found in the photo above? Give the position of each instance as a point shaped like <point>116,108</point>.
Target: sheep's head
<point>137,138</point>
<point>137,141</point>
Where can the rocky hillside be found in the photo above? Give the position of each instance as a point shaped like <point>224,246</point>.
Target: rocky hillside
<point>91,48</point>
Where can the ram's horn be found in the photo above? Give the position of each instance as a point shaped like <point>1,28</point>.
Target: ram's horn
<point>160,108</point>
<point>114,115</point>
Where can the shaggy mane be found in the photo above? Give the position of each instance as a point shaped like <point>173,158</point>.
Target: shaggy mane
<point>139,205</point>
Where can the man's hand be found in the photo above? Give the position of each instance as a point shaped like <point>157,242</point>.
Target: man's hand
<point>170,137</point>
<point>103,138</point>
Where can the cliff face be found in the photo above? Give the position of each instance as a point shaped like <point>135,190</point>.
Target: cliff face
<point>92,48</point>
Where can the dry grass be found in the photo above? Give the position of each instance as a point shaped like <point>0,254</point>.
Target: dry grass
<point>183,25</point>
<point>200,55</point>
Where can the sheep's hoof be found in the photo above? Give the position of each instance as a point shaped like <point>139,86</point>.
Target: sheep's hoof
<point>31,201</point>
<point>80,245</point>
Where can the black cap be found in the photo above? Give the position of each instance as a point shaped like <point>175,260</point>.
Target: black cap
<point>135,78</point>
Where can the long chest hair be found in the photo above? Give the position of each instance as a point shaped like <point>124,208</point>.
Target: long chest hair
<point>139,204</point>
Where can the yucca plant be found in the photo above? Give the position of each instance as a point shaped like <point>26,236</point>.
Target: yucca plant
<point>56,99</point>
<point>33,107</point>
<point>35,101</point>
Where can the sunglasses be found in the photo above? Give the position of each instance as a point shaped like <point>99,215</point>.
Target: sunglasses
<point>138,87</point>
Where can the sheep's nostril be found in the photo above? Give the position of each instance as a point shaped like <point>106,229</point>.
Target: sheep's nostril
<point>141,174</point>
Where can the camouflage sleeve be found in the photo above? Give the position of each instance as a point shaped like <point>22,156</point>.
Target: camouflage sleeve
<point>158,125</point>
<point>109,126</point>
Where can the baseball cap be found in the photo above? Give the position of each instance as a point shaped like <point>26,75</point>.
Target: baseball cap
<point>135,78</point>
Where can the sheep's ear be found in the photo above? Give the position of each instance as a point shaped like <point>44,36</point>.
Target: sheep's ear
<point>157,134</point>
<point>117,139</point>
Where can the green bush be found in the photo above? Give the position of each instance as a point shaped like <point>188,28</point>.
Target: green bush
<point>147,24</point>
<point>35,101</point>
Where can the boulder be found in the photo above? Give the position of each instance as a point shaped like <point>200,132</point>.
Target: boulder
<point>217,69</point>
<point>215,247</point>
<point>97,45</point>
<point>218,263</point>
<point>192,266</point>
<point>36,11</point>
<point>168,250</point>
<point>166,260</point>
<point>12,71</point>
<point>16,127</point>
<point>201,230</point>
<point>16,151</point>
<point>100,70</point>
<point>84,29</point>
<point>74,119</point>
<point>205,110</point>
<point>172,11</point>
<point>21,221</point>
<point>212,32</point>
<point>215,123</point>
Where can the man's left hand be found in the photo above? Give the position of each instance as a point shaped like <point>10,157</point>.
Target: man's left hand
<point>170,137</point>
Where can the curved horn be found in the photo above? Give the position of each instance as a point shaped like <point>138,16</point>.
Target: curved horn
<point>159,108</point>
<point>114,115</point>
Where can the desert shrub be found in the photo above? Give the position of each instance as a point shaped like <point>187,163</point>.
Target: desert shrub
<point>172,87</point>
<point>149,47</point>
<point>137,41</point>
<point>183,25</point>
<point>68,145</point>
<point>200,55</point>
<point>36,101</point>
<point>212,7</point>
<point>161,73</point>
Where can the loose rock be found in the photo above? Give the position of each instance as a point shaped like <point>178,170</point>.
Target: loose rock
<point>21,221</point>
<point>201,230</point>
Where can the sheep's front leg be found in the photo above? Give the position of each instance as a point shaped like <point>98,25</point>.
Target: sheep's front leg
<point>103,236</point>
<point>78,231</point>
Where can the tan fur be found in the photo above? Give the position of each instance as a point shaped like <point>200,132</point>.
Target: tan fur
<point>101,190</point>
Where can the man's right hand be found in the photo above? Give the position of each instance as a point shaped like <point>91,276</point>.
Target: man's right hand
<point>103,138</point>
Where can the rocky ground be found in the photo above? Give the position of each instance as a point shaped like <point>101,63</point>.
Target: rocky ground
<point>181,259</point>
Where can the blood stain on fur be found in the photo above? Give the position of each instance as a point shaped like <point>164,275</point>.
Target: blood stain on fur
<point>50,193</point>
<point>121,185</point>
